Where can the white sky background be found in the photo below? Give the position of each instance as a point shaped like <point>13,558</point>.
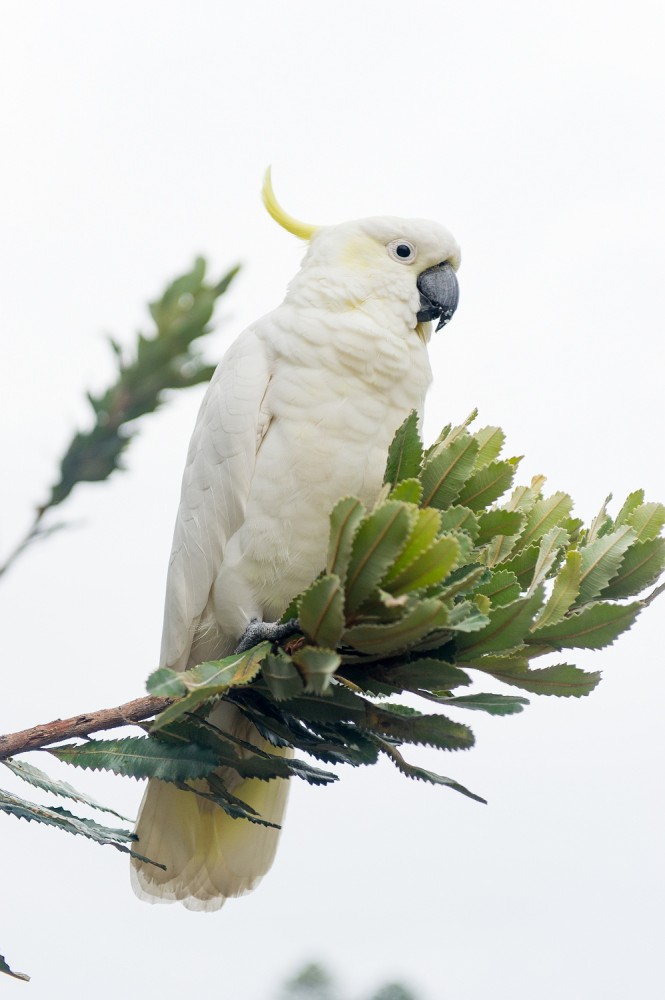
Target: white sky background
<point>134,136</point>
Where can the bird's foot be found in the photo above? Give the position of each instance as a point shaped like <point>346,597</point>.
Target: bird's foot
<point>258,631</point>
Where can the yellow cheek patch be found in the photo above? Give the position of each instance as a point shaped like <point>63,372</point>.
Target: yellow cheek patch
<point>359,253</point>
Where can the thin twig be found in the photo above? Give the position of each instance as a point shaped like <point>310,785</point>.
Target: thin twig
<point>81,725</point>
<point>31,536</point>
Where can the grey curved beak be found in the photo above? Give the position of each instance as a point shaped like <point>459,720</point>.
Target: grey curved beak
<point>439,294</point>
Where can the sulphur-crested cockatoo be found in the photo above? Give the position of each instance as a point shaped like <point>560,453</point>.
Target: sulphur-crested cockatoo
<point>299,413</point>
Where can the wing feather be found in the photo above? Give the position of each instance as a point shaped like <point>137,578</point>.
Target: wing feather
<point>215,488</point>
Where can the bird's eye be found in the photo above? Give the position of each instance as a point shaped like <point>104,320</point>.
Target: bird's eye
<point>402,251</point>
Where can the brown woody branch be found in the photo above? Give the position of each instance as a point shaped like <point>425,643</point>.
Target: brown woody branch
<point>81,725</point>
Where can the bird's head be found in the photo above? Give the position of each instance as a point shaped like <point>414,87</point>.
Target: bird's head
<point>407,263</point>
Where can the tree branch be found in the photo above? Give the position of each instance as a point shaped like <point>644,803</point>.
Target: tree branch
<point>81,725</point>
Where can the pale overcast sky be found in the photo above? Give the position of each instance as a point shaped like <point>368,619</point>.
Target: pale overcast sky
<point>134,137</point>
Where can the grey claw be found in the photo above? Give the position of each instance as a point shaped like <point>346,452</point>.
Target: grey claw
<point>258,631</point>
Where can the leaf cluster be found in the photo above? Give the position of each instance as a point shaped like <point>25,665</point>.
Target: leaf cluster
<point>165,359</point>
<point>57,816</point>
<point>453,575</point>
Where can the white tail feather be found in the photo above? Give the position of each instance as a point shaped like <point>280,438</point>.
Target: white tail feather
<point>209,856</point>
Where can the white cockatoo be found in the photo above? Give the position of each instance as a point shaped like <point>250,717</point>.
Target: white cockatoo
<point>299,413</point>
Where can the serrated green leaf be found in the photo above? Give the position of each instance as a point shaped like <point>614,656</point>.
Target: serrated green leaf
<point>183,706</point>
<point>458,518</point>
<point>318,666</point>
<point>445,473</point>
<point>601,561</point>
<point>166,360</point>
<point>428,568</point>
<point>382,606</point>
<point>408,491</point>
<point>468,617</point>
<point>594,627</point>
<point>215,676</point>
<point>166,683</point>
<point>340,705</point>
<point>498,522</point>
<point>322,611</point>
<point>502,588</point>
<point>462,582</point>
<point>523,565</point>
<point>561,679</point>
<point>483,603</point>
<point>494,704</point>
<point>439,442</point>
<point>423,674</point>
<point>291,610</point>
<point>564,593</point>
<point>420,774</point>
<point>140,757</point>
<point>345,519</point>
<point>426,730</point>
<point>39,779</point>
<point>507,628</point>
<point>601,524</point>
<point>488,484</point>
<point>466,556</point>
<point>549,551</point>
<point>647,520</point>
<point>490,442</point>
<point>377,543</point>
<point>210,679</point>
<point>543,516</point>
<point>424,617</point>
<point>573,526</point>
<point>524,498</point>
<point>281,676</point>
<point>216,791</point>
<point>499,549</point>
<point>405,452</point>
<point>632,501</point>
<point>4,967</point>
<point>424,528</point>
<point>642,566</point>
<point>64,820</point>
<point>255,762</point>
<point>450,434</point>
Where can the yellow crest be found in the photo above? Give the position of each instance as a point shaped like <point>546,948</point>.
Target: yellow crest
<point>286,221</point>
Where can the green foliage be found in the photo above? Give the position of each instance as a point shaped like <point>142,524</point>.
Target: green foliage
<point>394,991</point>
<point>4,967</point>
<point>165,360</point>
<point>140,757</point>
<point>441,581</point>
<point>67,821</point>
<point>406,452</point>
<point>449,577</point>
<point>314,982</point>
<point>60,818</point>
<point>39,779</point>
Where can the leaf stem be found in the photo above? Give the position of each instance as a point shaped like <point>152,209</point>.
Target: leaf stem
<point>31,536</point>
<point>653,595</point>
